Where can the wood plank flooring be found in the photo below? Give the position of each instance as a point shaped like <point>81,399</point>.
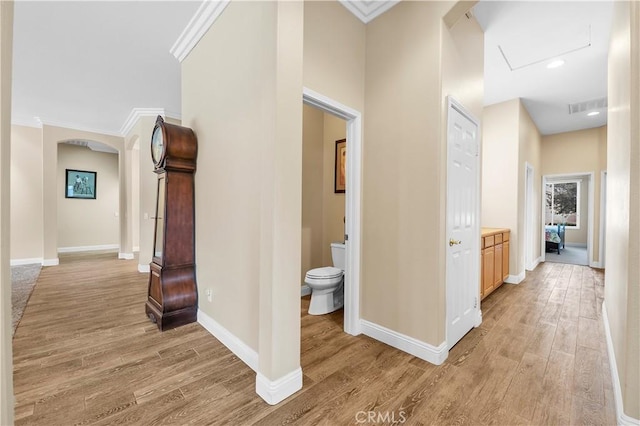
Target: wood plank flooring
<point>84,353</point>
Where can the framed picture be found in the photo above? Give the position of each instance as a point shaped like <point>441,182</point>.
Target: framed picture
<point>340,182</point>
<point>80,184</point>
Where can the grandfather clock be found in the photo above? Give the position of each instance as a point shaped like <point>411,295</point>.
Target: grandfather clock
<point>173,296</point>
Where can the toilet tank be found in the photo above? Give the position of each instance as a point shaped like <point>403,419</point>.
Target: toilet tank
<point>337,255</point>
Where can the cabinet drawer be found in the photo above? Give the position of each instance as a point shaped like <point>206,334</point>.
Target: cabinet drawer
<point>489,241</point>
<point>498,238</point>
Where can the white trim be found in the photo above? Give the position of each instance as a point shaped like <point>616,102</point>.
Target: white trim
<point>529,225</point>
<point>305,290</point>
<point>136,114</point>
<point>367,11</point>
<point>88,248</point>
<point>136,249</point>
<point>125,256</point>
<point>603,220</point>
<point>275,391</point>
<point>79,127</point>
<point>622,418</point>
<point>144,269</point>
<point>233,343</point>
<point>537,262</point>
<point>435,355</point>
<point>197,27</point>
<point>516,279</point>
<point>353,222</point>
<point>31,261</point>
<point>597,265</point>
<point>51,262</point>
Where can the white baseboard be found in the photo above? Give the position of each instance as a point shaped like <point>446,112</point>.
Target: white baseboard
<point>51,262</point>
<point>435,355</point>
<point>305,290</point>
<point>88,248</point>
<point>622,418</point>
<point>126,256</point>
<point>595,265</point>
<point>516,279</point>
<point>144,269</point>
<point>233,343</point>
<point>278,390</point>
<point>478,318</point>
<point>31,261</point>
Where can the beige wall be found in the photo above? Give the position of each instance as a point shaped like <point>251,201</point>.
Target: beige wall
<point>6,365</point>
<point>622,280</point>
<point>530,147</point>
<point>26,194</point>
<point>312,189</point>
<point>144,188</point>
<point>249,180</point>
<point>510,141</point>
<point>500,171</point>
<point>577,152</point>
<point>333,204</point>
<point>404,165</point>
<point>323,210</point>
<point>85,223</point>
<point>334,53</point>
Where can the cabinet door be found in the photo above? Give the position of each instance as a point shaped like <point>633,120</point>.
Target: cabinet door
<point>497,273</point>
<point>505,260</point>
<point>488,267</point>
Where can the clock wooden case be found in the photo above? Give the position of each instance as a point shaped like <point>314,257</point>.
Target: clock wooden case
<point>173,296</point>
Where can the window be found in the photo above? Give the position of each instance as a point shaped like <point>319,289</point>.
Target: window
<point>563,203</point>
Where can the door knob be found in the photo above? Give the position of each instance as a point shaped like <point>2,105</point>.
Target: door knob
<point>453,242</point>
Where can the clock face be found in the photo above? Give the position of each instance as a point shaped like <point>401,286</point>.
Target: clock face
<point>157,145</point>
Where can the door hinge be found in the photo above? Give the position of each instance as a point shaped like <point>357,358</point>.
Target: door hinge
<point>346,237</point>
<point>475,302</point>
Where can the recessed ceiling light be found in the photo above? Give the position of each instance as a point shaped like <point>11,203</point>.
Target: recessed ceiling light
<point>555,64</point>
<point>592,113</point>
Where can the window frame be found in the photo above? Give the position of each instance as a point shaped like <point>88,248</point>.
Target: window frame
<point>578,183</point>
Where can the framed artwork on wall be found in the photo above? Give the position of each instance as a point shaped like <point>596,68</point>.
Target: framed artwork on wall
<point>80,184</point>
<point>340,182</point>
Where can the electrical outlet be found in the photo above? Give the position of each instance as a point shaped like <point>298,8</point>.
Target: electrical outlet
<point>209,295</point>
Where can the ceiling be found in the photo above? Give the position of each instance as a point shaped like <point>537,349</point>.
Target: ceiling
<point>521,38</point>
<point>88,64</point>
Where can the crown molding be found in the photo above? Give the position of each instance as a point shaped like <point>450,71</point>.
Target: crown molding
<point>74,126</point>
<point>135,115</point>
<point>367,11</point>
<point>201,21</point>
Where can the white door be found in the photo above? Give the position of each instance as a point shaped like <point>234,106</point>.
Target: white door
<point>463,228</point>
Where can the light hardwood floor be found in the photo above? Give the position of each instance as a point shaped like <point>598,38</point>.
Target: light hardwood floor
<point>84,353</point>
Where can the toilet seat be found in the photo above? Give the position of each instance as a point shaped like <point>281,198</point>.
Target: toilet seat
<point>326,273</point>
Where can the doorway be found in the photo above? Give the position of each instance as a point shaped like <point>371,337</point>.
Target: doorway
<point>352,222</point>
<point>529,220</point>
<point>568,213</point>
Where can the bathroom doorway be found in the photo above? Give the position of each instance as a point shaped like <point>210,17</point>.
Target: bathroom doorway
<point>338,212</point>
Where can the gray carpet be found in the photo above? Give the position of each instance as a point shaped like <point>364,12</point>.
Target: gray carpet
<point>23,281</point>
<point>571,255</point>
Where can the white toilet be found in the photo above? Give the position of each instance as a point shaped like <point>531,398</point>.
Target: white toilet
<point>327,284</point>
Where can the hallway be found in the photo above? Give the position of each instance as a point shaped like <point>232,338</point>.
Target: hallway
<point>84,353</point>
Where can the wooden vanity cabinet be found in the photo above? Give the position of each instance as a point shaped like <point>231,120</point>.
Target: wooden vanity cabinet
<point>494,252</point>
